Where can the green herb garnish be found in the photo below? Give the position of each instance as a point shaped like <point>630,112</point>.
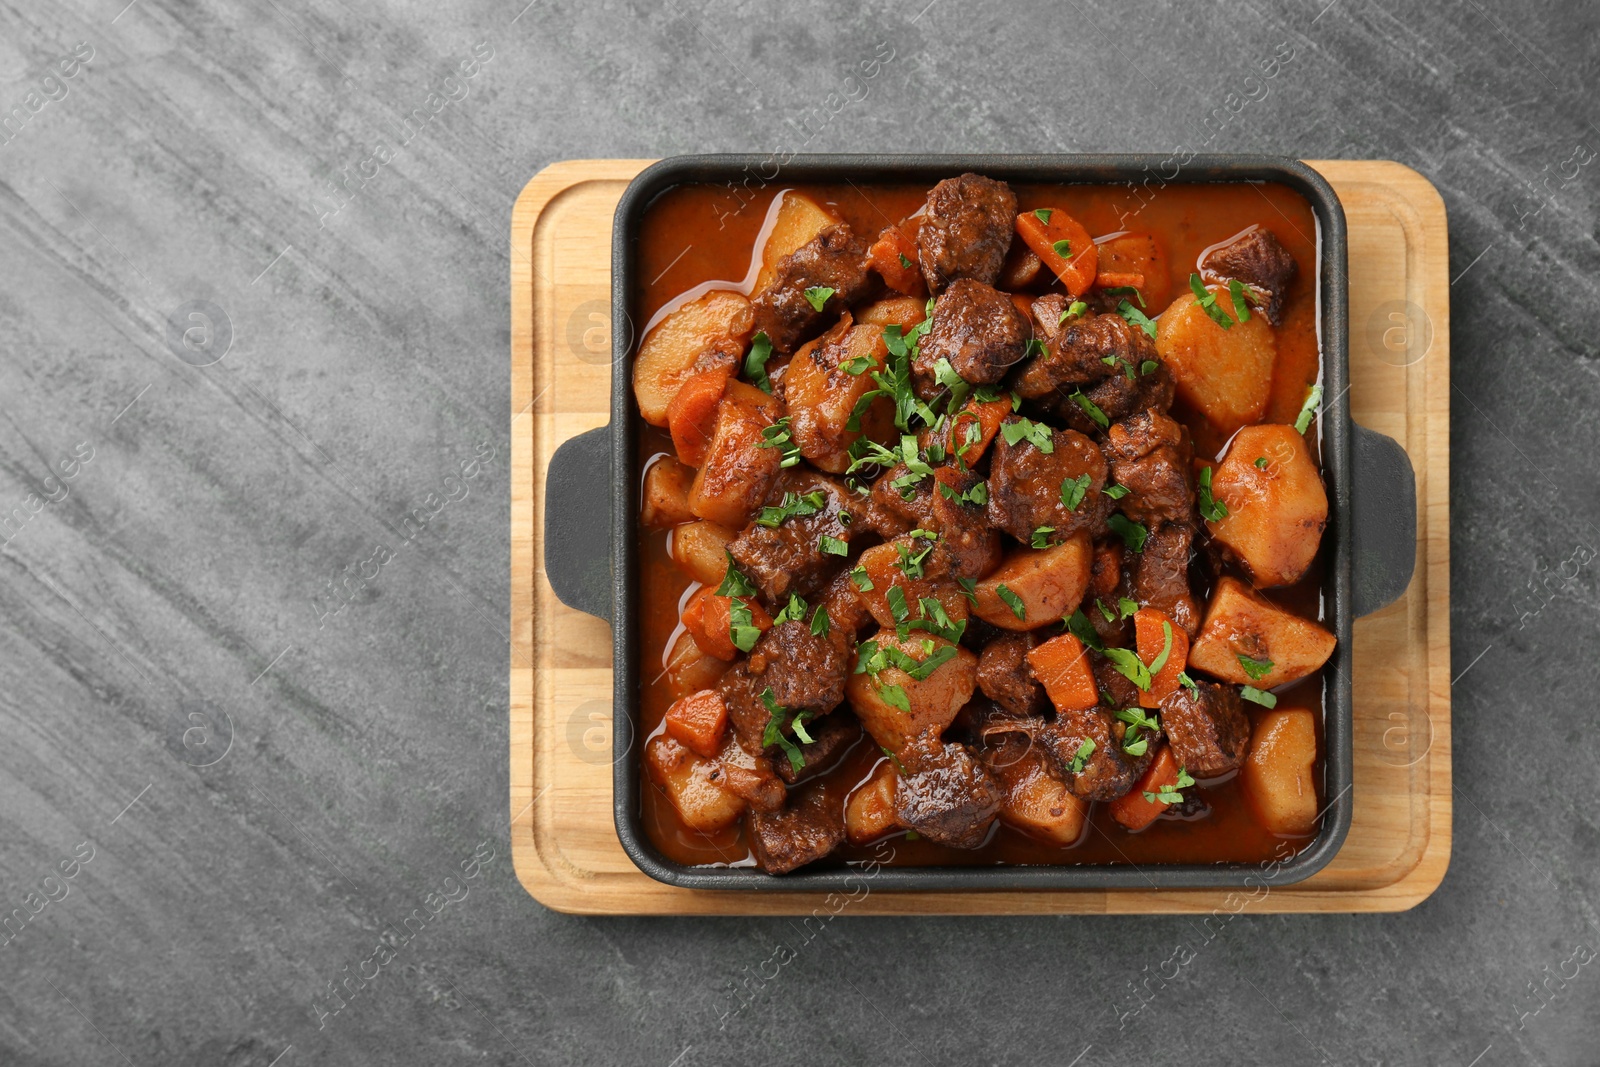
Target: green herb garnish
<point>1091,409</point>
<point>1012,601</point>
<point>818,295</point>
<point>1255,668</point>
<point>832,546</point>
<point>1132,533</point>
<point>1259,696</point>
<point>1308,409</point>
<point>1211,509</point>
<point>1208,300</point>
<point>1072,490</point>
<point>1115,491</point>
<point>1137,318</point>
<point>1042,214</point>
<point>755,363</point>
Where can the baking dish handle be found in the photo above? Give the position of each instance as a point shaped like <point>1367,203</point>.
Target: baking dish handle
<point>1383,528</point>
<point>577,522</point>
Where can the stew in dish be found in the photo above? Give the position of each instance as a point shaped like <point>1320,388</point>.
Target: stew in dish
<point>964,525</point>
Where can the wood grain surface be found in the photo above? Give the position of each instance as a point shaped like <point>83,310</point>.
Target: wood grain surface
<point>564,845</point>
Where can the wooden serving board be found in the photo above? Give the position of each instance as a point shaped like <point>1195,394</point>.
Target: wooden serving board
<point>563,842</point>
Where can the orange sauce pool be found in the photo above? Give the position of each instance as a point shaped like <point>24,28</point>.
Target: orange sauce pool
<point>688,238</point>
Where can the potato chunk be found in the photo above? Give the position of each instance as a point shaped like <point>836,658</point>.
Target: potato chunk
<point>881,566</point>
<point>683,776</point>
<point>1276,510</point>
<point>821,387</point>
<point>738,472</point>
<point>700,549</point>
<point>902,311</point>
<point>1044,583</point>
<point>706,332</point>
<point>800,219</point>
<point>1224,374</point>
<point>869,811</point>
<point>666,493</point>
<point>1037,801</point>
<point>689,669</point>
<point>933,700</point>
<point>1278,775</point>
<point>1241,623</point>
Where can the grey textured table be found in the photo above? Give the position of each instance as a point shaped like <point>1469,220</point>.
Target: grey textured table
<point>252,717</point>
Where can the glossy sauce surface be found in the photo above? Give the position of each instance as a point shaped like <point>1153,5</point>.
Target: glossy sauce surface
<point>690,241</point>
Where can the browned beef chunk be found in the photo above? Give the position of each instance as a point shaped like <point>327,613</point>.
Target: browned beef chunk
<point>788,558</point>
<point>747,776</point>
<point>967,547</point>
<point>1075,354</point>
<point>832,736</point>
<point>978,329</point>
<point>1259,260</point>
<point>747,714</point>
<point>1117,398</point>
<point>1151,455</point>
<point>1158,577</point>
<point>966,230</point>
<point>808,829</point>
<point>1025,486</point>
<point>1107,771</point>
<point>1207,728</point>
<point>944,793</point>
<point>1113,683</point>
<point>804,670</point>
<point>844,609</point>
<point>1005,678</point>
<point>834,259</point>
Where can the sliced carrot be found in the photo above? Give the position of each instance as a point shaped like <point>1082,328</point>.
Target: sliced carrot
<point>987,417</point>
<point>1118,279</point>
<point>707,617</point>
<point>894,256</point>
<point>698,721</point>
<point>1078,266</point>
<point>1131,809</point>
<point>1062,666</point>
<point>692,414</point>
<point>1150,638</point>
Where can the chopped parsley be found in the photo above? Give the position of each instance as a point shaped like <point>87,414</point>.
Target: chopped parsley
<point>1116,491</point>
<point>1062,249</point>
<point>1130,666</point>
<point>1127,607</point>
<point>1307,410</point>
<point>1166,649</point>
<point>1187,682</point>
<point>1042,214</point>
<point>1148,367</point>
<point>780,436</point>
<point>1081,757</point>
<point>1259,696</point>
<point>1041,536</point>
<point>1261,463</point>
<point>1091,409</point>
<point>1132,533</point>
<point>734,583</point>
<point>1036,434</point>
<point>911,563</point>
<point>1012,601</point>
<point>1208,301</point>
<point>1241,306</point>
<point>1072,490</point>
<point>1136,718</point>
<point>859,365</point>
<point>904,262</point>
<point>1211,509</point>
<point>1169,792</point>
<point>1255,668</point>
<point>969,589</point>
<point>897,604</point>
<point>819,622</point>
<point>895,697</point>
<point>862,582</point>
<point>978,494</point>
<point>1074,310</point>
<point>1079,626</point>
<point>791,506</point>
<point>742,630</point>
<point>755,364</point>
<point>818,295</point>
<point>774,734</point>
<point>1135,317</point>
<point>832,546</point>
<point>794,611</point>
<point>1034,347</point>
<point>1110,616</point>
<point>936,620</point>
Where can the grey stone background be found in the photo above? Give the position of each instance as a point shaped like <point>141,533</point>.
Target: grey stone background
<point>263,783</point>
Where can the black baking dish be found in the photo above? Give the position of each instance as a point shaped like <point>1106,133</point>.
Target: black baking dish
<point>1371,532</point>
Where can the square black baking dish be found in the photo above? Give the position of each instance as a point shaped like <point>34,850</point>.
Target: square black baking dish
<point>591,536</point>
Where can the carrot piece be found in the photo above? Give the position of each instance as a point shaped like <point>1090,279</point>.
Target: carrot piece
<point>1078,267</point>
<point>894,256</point>
<point>1062,666</point>
<point>692,414</point>
<point>708,617</point>
<point>1118,279</point>
<point>698,721</point>
<point>1131,809</point>
<point>987,417</point>
<point>1150,638</point>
